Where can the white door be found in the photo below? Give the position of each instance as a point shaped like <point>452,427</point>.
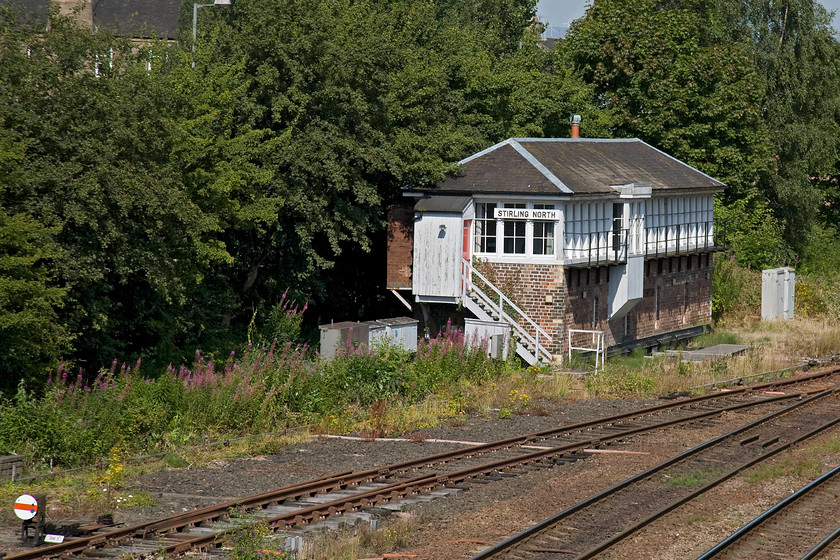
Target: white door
<point>438,239</point>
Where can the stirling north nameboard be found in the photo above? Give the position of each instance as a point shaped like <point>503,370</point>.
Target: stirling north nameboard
<point>525,214</point>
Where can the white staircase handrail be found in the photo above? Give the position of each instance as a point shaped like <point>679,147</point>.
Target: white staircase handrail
<point>468,271</point>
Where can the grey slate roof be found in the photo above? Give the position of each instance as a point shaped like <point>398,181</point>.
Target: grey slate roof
<point>449,204</point>
<point>30,7</point>
<point>127,18</point>
<point>138,18</point>
<point>565,166</point>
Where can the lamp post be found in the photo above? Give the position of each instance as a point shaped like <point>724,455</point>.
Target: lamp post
<point>196,6</point>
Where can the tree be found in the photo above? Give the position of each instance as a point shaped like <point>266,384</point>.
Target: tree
<point>98,129</point>
<point>185,198</point>
<point>698,99</point>
<point>31,335</point>
<point>352,101</point>
<point>795,50</point>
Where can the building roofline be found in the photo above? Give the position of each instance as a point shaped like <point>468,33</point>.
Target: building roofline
<point>528,156</point>
<point>618,140</point>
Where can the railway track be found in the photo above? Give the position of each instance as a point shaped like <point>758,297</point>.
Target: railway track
<point>804,525</point>
<point>592,526</point>
<point>347,492</point>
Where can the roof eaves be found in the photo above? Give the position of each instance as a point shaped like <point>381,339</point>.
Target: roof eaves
<point>529,157</point>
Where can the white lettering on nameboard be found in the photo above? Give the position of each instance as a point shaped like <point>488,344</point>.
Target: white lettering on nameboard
<point>524,214</point>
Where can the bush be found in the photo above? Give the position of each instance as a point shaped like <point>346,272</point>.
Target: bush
<point>79,422</point>
<point>734,288</point>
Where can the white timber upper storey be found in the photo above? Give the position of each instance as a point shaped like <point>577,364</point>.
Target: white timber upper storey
<point>567,201</point>
<point>591,230</point>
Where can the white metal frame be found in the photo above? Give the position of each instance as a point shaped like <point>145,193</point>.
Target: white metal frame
<point>597,339</point>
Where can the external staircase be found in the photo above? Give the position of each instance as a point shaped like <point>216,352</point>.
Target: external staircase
<point>488,303</point>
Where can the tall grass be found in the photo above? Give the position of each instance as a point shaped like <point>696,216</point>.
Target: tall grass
<point>78,422</point>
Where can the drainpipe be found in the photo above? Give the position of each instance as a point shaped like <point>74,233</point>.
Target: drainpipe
<point>575,126</point>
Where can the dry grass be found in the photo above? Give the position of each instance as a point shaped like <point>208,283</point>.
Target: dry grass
<point>794,338</point>
<point>774,347</point>
<point>362,541</point>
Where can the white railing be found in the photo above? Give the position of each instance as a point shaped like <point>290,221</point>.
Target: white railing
<point>610,247</point>
<point>596,247</point>
<point>597,341</point>
<point>497,305</point>
<point>679,237</point>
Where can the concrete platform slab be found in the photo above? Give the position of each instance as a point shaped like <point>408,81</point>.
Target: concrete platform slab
<point>717,352</point>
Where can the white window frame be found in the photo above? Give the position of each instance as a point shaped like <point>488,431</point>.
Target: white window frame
<point>499,254</point>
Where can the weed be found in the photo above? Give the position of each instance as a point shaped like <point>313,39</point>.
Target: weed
<point>713,338</point>
<point>763,473</point>
<point>540,410</point>
<point>175,461</point>
<point>251,542</point>
<point>363,541</point>
<point>417,437</point>
<point>696,518</point>
<point>134,500</point>
<point>694,478</point>
<point>830,446</point>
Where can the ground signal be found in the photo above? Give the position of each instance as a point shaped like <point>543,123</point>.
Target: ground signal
<point>26,507</point>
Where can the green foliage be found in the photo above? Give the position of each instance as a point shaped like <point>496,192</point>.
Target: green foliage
<point>31,334</point>
<point>282,324</point>
<point>98,131</point>
<point>182,198</point>
<point>734,286</point>
<point>77,422</point>
<point>795,49</point>
<point>744,91</point>
<point>696,518</point>
<point>713,338</point>
<point>252,542</point>
<point>753,233</point>
<point>691,479</point>
<point>698,100</point>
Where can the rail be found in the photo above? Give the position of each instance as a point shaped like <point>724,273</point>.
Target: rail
<point>157,530</point>
<point>578,519</point>
<point>498,304</point>
<point>768,515</point>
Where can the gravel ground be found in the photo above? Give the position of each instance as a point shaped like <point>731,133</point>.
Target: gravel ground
<point>460,525</point>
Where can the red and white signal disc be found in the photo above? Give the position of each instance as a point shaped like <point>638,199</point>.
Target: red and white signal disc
<point>26,507</point>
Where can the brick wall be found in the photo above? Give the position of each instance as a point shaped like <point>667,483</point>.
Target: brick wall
<point>677,295</point>
<point>538,289</point>
<point>588,292</point>
<point>400,247</point>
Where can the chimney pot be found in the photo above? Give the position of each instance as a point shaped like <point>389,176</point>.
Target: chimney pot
<point>575,120</point>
